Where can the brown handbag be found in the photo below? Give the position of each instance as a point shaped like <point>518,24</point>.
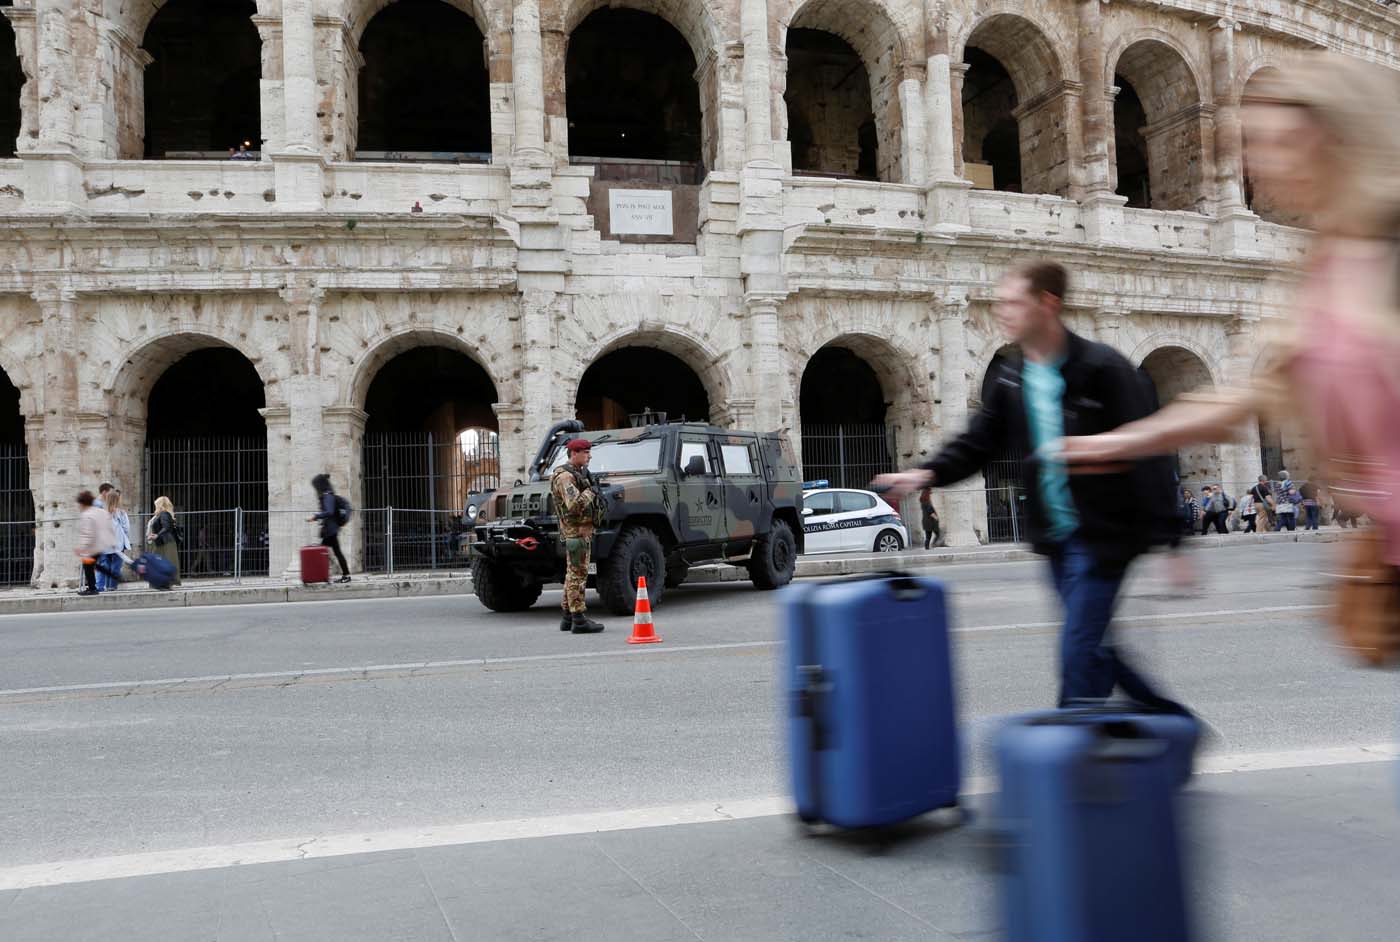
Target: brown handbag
<point>1367,602</point>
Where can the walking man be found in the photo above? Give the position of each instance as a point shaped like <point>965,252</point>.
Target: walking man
<point>1062,384</point>
<point>932,529</point>
<point>577,502</point>
<point>1264,503</point>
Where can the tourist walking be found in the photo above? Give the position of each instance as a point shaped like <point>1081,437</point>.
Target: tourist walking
<point>1263,503</point>
<point>333,513</point>
<point>933,531</point>
<point>121,529</point>
<point>163,534</point>
<point>95,537</point>
<point>1249,511</point>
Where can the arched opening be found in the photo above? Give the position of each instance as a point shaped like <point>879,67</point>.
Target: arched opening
<point>11,83</point>
<point>206,449</point>
<point>1004,477</point>
<point>1173,371</point>
<point>1158,121</point>
<point>632,380</point>
<point>831,117</point>
<point>425,93</point>
<point>16,499</point>
<point>430,446</point>
<point>846,436</point>
<point>202,95</point>
<point>1258,201</point>
<point>631,95</point>
<point>1129,119</point>
<point>1014,109</point>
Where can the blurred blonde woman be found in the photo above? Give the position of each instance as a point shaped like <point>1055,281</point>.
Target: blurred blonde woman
<point>162,533</point>
<point>1324,143</point>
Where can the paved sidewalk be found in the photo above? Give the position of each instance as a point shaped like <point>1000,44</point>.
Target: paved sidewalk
<point>1297,854</point>
<point>250,591</point>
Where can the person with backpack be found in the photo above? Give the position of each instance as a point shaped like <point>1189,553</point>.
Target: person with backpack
<point>1249,512</point>
<point>1217,509</point>
<point>334,514</point>
<point>165,534</point>
<point>1190,511</point>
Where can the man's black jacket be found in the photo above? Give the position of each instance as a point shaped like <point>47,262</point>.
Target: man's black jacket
<point>1121,514</point>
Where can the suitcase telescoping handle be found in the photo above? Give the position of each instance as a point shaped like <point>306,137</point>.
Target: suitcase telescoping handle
<point>904,587</point>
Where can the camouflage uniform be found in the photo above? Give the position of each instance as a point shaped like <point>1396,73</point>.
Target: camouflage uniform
<point>575,508</point>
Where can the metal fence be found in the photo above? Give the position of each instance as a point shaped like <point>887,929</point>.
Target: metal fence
<point>16,516</point>
<point>203,477</point>
<point>422,485</point>
<point>847,455</point>
<point>1006,514</point>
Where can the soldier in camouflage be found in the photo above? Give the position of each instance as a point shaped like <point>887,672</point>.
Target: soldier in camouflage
<point>578,504</point>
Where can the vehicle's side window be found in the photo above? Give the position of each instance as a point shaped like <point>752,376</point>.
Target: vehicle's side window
<point>738,459</point>
<point>690,450</point>
<point>854,500</point>
<point>820,504</point>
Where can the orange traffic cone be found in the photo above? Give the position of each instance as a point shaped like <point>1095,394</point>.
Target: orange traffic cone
<point>643,631</point>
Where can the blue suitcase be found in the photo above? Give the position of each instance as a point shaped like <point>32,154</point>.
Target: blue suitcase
<point>1087,808</point>
<point>155,569</point>
<point>872,733</point>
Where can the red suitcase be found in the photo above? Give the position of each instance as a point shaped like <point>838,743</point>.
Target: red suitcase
<point>315,564</point>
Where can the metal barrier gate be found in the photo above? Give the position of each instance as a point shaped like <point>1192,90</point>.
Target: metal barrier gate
<point>16,517</point>
<point>219,489</point>
<point>847,455</point>
<point>416,491</point>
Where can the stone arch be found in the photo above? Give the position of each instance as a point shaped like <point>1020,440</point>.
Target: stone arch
<point>11,89</point>
<point>384,347</point>
<point>705,361</point>
<point>1175,367</point>
<point>131,380</point>
<point>423,86</point>
<point>15,372</point>
<point>1013,106</point>
<point>358,14</point>
<point>200,92</point>
<point>694,19</point>
<point>1159,118</point>
<point>1170,340</point>
<point>871,31</point>
<point>1259,202</point>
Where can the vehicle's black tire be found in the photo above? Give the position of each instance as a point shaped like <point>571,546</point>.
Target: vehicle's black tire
<point>500,589</point>
<point>774,558</point>
<point>676,573</point>
<point>636,552</point>
<point>888,541</point>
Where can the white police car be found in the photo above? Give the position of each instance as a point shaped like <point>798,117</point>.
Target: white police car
<point>842,520</point>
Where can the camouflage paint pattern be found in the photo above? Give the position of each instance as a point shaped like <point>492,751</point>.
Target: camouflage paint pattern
<point>575,573</point>
<point>575,508</point>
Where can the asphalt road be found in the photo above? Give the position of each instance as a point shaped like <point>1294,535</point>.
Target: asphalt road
<point>123,732</point>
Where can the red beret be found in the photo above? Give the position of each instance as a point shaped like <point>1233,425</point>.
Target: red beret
<point>580,444</point>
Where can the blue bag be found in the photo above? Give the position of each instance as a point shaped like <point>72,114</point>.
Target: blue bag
<point>1088,819</point>
<point>871,729</point>
<point>158,571</point>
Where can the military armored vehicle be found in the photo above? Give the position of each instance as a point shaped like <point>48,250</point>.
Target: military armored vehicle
<point>676,493</point>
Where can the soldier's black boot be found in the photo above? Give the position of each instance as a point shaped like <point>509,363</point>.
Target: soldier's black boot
<point>583,625</point>
<point>567,622</point>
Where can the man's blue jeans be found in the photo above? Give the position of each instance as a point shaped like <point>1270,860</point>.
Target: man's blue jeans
<point>1089,667</point>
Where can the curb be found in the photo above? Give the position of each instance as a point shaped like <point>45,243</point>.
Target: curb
<point>429,586</point>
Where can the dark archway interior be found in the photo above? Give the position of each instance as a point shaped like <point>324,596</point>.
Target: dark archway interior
<point>424,87</point>
<point>11,418</point>
<point>991,134</point>
<point>431,389</point>
<point>211,392</point>
<point>830,118</point>
<point>11,81</point>
<point>631,89</point>
<point>635,379</point>
<point>1129,118</point>
<point>840,388</point>
<point>202,90</point>
<point>16,499</point>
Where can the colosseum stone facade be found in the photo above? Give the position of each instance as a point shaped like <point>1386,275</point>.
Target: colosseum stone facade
<point>250,241</point>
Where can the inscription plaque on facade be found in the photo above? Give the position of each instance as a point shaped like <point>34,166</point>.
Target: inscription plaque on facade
<point>639,212</point>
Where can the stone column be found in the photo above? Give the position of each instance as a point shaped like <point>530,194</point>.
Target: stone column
<point>56,476</point>
<point>299,169</point>
<point>53,170</point>
<point>1235,227</point>
<point>1107,324</point>
<point>517,444</point>
<point>343,431</point>
<point>296,432</point>
<point>527,68</point>
<point>938,94</point>
<point>1094,172</point>
<point>758,83</point>
<point>957,75</point>
<point>913,134</point>
<point>766,360</point>
<point>540,404</point>
<point>964,505</point>
<point>1240,460</point>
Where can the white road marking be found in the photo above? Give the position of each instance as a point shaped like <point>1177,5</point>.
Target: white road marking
<point>310,847</point>
<point>210,682</point>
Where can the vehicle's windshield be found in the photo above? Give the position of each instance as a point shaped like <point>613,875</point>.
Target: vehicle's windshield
<point>618,457</point>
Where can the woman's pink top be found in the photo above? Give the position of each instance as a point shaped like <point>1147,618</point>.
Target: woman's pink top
<point>1348,375</point>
